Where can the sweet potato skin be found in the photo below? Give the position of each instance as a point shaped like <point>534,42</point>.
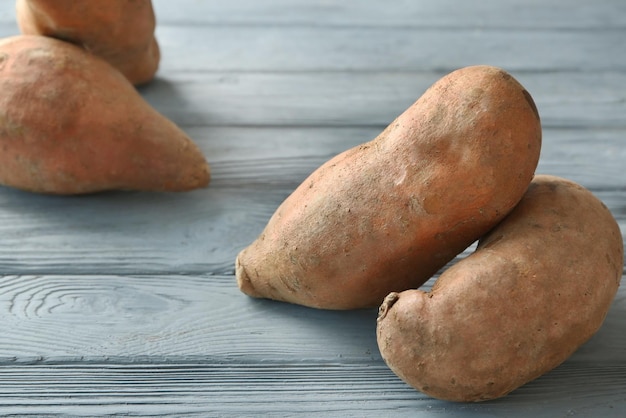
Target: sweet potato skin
<point>119,31</point>
<point>538,286</point>
<point>386,215</point>
<point>71,124</point>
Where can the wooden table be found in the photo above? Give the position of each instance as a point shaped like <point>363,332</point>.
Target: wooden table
<point>126,303</point>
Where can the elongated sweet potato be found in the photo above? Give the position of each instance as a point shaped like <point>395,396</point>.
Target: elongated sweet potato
<point>71,123</point>
<point>120,31</point>
<point>538,286</point>
<point>386,215</point>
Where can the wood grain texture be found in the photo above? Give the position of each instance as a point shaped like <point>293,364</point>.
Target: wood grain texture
<point>451,14</point>
<point>271,48</point>
<point>365,99</point>
<point>140,233</point>
<point>191,318</point>
<point>153,346</point>
<point>125,303</point>
<point>286,389</point>
<point>550,14</point>
<point>169,317</point>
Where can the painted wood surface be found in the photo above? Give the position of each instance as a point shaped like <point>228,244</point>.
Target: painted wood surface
<point>125,303</point>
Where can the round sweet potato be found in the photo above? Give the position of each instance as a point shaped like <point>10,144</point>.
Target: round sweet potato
<point>386,215</point>
<point>538,286</point>
<point>120,31</point>
<point>70,123</point>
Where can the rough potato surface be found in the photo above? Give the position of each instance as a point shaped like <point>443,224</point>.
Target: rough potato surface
<point>387,214</point>
<point>119,31</point>
<point>70,123</point>
<point>538,286</point>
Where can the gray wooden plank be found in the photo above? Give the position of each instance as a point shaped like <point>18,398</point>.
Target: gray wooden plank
<point>196,319</point>
<point>254,170</point>
<point>591,157</point>
<point>387,48</point>
<point>552,14</point>
<point>395,47</point>
<point>288,389</point>
<point>169,318</point>
<point>525,14</point>
<point>150,345</point>
<point>130,232</point>
<point>594,99</point>
<point>125,303</point>
<point>272,48</point>
<point>201,319</point>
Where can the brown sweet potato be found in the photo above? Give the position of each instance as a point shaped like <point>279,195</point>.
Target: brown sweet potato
<point>120,31</point>
<point>538,286</point>
<point>386,215</point>
<point>70,123</point>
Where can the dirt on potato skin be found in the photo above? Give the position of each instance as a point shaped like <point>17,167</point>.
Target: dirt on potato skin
<point>538,286</point>
<point>70,123</point>
<point>387,214</point>
<point>122,32</point>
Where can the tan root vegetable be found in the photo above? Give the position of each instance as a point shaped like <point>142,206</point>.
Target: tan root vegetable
<point>70,123</point>
<point>538,286</point>
<point>120,31</point>
<point>386,215</point>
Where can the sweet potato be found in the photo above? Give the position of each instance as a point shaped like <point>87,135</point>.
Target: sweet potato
<point>120,31</point>
<point>387,214</point>
<point>537,287</point>
<point>71,123</point>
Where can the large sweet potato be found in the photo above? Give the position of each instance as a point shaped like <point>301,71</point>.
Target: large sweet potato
<point>386,215</point>
<point>71,123</point>
<point>538,286</point>
<point>120,31</point>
